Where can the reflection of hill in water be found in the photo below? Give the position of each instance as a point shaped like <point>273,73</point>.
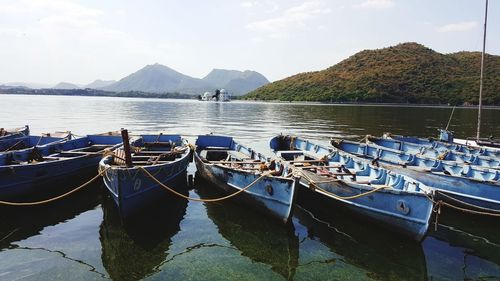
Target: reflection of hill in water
<point>256,236</point>
<point>134,251</point>
<point>383,254</point>
<point>19,223</point>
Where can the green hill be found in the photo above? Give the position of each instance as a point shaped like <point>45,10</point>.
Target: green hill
<point>406,73</point>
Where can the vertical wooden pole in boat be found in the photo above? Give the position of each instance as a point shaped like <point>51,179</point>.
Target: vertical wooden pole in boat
<point>126,148</point>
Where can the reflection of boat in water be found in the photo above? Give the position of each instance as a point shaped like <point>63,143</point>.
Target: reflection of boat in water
<point>135,251</point>
<point>454,254</point>
<point>20,223</point>
<point>382,253</point>
<point>473,243</point>
<point>256,236</point>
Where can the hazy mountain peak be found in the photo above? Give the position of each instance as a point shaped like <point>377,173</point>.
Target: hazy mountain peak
<point>235,81</point>
<point>100,83</point>
<point>159,78</point>
<point>28,85</point>
<point>65,85</point>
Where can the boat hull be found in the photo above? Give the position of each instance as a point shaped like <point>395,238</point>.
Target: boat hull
<point>475,194</point>
<point>14,133</point>
<point>403,212</point>
<point>463,147</point>
<point>41,179</point>
<point>271,195</point>
<point>406,211</point>
<point>20,181</point>
<point>132,189</point>
<point>437,153</point>
<point>461,182</point>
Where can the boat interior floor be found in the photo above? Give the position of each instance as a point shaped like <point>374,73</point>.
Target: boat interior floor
<point>350,171</point>
<point>237,160</point>
<point>146,156</point>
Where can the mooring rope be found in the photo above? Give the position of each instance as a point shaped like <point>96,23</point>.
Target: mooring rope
<point>486,211</point>
<point>146,172</point>
<point>439,203</point>
<point>449,120</point>
<point>57,197</point>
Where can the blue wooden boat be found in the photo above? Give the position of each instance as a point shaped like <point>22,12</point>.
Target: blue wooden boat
<point>439,154</point>
<point>165,157</point>
<point>471,184</point>
<point>488,143</point>
<point>14,133</point>
<point>442,146</point>
<point>34,172</point>
<point>232,167</point>
<point>399,202</point>
<point>30,141</point>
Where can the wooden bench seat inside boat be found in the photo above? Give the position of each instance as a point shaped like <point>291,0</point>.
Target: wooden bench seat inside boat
<point>92,148</point>
<point>151,152</point>
<point>144,163</point>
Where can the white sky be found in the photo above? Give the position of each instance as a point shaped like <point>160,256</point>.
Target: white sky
<point>49,41</point>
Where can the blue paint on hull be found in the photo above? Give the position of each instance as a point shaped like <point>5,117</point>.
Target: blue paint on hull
<point>24,179</point>
<point>441,153</point>
<point>442,146</point>
<point>404,208</point>
<point>273,195</point>
<point>473,185</point>
<point>44,144</point>
<point>15,133</point>
<point>132,190</point>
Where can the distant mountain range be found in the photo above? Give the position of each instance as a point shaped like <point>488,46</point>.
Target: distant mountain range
<point>236,82</point>
<point>66,86</point>
<point>99,84</point>
<point>405,73</point>
<point>157,78</point>
<point>25,85</point>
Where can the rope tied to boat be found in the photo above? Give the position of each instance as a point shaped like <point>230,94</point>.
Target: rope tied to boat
<point>480,210</point>
<point>313,185</point>
<point>99,174</point>
<point>147,173</point>
<point>443,155</point>
<point>491,214</point>
<point>439,203</point>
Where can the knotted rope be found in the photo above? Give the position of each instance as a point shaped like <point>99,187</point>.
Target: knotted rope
<point>147,173</point>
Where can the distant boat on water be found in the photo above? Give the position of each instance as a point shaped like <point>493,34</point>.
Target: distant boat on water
<point>219,95</point>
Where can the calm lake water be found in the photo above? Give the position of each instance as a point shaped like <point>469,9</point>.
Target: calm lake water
<point>81,238</point>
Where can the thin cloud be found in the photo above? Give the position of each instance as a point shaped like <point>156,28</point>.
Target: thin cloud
<point>247,4</point>
<point>264,6</point>
<point>296,16</point>
<point>457,27</point>
<point>49,6</point>
<point>376,4</point>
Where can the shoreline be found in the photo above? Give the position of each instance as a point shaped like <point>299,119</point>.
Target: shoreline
<point>185,97</point>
